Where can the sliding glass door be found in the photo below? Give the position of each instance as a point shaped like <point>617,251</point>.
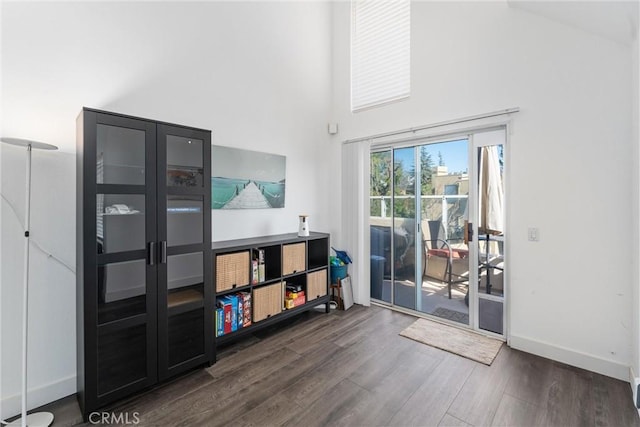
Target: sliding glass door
<point>430,252</point>
<point>404,228</point>
<point>488,228</point>
<point>444,193</point>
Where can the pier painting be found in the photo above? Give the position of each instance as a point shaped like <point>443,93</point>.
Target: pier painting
<point>244,179</point>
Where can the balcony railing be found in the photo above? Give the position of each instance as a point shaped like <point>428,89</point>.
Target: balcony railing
<point>449,209</point>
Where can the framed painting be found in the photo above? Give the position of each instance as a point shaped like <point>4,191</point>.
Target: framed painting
<point>245,179</point>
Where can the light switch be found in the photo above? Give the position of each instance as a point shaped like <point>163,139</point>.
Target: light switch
<point>534,234</point>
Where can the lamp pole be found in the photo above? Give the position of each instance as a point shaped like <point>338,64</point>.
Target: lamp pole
<point>41,419</point>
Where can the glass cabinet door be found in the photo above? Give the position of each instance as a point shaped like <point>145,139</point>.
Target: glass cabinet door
<point>185,219</point>
<point>125,229</point>
<point>120,156</point>
<point>184,227</point>
<point>184,161</point>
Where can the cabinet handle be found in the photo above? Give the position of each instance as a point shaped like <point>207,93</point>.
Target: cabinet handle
<point>151,253</point>
<point>163,252</point>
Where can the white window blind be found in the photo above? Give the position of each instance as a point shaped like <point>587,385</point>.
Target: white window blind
<point>380,52</point>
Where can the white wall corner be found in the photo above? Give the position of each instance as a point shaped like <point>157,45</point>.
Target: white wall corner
<point>571,357</point>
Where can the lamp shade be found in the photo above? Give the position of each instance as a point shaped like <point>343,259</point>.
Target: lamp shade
<point>26,143</point>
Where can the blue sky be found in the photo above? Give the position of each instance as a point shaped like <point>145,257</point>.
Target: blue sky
<point>454,153</point>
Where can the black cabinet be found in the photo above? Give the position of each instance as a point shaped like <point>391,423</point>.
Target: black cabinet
<point>143,254</point>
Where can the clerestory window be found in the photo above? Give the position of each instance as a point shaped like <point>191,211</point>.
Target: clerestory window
<point>380,52</point>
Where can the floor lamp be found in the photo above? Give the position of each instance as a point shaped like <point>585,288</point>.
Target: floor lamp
<point>40,419</point>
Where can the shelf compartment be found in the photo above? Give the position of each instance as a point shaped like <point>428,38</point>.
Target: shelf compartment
<point>123,309</point>
<point>267,301</point>
<point>318,253</point>
<point>298,281</point>
<point>120,222</point>
<point>293,258</point>
<point>184,296</point>
<point>232,270</point>
<point>185,270</point>
<point>272,261</point>
<point>184,161</point>
<point>233,312</point>
<point>316,284</point>
<point>120,155</point>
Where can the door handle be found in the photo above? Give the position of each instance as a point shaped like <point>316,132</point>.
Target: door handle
<point>469,227</point>
<point>163,252</point>
<point>151,253</point>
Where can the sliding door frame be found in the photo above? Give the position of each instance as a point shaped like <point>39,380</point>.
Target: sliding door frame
<point>474,294</point>
<point>430,136</point>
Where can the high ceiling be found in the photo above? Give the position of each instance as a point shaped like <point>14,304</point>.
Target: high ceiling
<point>46,80</point>
<point>614,20</point>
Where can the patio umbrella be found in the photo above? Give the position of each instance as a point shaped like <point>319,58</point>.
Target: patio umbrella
<point>491,192</point>
<point>491,196</point>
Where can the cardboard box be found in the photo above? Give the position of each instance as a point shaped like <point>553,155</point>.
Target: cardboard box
<point>254,272</point>
<point>239,310</point>
<point>233,302</point>
<point>219,322</point>
<point>299,300</point>
<point>225,305</point>
<point>294,295</point>
<point>294,299</point>
<point>246,308</point>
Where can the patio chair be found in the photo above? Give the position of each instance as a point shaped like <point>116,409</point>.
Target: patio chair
<point>441,261</point>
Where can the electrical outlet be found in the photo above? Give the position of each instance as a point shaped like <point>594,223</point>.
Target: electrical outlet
<point>534,234</point>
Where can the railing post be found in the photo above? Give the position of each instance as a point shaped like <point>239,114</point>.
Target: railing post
<point>445,218</point>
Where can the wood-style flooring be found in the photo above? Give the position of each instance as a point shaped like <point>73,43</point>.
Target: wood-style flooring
<point>351,368</point>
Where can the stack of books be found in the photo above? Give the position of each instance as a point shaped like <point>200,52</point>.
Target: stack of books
<point>257,264</point>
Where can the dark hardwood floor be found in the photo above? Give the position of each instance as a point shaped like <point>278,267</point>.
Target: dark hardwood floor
<point>353,369</point>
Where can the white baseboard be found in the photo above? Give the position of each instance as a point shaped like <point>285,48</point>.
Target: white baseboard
<point>634,380</point>
<point>36,397</point>
<point>571,357</point>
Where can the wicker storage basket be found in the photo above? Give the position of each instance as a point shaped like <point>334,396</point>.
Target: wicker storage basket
<point>267,301</point>
<point>232,270</point>
<point>316,284</point>
<point>293,258</point>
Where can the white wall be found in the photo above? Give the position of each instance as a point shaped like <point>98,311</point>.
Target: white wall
<point>51,344</point>
<point>570,154</point>
<point>257,74</point>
